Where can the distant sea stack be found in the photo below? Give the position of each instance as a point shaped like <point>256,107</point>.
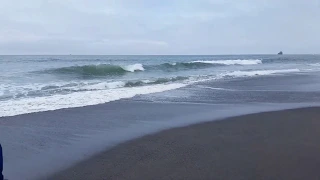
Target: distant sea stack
<point>280,53</point>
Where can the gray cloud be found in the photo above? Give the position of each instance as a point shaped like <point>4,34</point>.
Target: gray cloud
<point>159,27</point>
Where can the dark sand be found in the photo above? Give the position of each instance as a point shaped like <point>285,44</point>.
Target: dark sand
<point>274,145</point>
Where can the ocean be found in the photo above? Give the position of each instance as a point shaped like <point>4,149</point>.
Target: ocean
<point>41,83</point>
<point>58,110</point>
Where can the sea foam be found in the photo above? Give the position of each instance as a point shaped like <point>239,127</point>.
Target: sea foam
<point>259,72</point>
<point>78,99</point>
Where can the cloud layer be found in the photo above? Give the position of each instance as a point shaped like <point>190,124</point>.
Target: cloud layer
<point>159,26</point>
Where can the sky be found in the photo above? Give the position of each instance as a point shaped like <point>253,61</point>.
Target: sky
<point>119,27</point>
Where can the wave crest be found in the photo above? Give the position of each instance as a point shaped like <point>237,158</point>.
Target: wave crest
<point>114,70</point>
<point>133,68</point>
<point>98,70</point>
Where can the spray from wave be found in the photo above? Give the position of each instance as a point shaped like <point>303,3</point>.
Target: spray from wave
<point>133,68</point>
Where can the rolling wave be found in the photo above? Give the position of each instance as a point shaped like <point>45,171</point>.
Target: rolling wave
<point>116,70</point>
<point>97,70</point>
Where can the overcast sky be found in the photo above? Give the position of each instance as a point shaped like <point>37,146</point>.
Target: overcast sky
<point>159,26</point>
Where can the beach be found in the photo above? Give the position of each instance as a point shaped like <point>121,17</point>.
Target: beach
<point>160,90</point>
<point>269,145</point>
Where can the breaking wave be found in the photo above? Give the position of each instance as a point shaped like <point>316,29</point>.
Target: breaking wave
<point>116,70</point>
<point>98,70</point>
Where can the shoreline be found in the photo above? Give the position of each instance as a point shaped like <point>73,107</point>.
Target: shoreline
<point>277,145</point>
<point>45,138</point>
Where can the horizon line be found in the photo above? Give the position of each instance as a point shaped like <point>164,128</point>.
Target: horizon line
<point>149,54</point>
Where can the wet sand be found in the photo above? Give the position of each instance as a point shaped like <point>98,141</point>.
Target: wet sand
<point>272,145</point>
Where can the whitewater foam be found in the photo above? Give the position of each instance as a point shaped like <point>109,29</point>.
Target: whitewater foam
<point>78,99</point>
<point>216,88</point>
<point>259,72</point>
<point>146,81</point>
<point>133,67</point>
<point>34,90</point>
<point>232,62</point>
<point>102,86</point>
